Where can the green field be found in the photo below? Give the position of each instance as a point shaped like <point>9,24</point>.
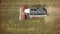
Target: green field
<point>10,24</point>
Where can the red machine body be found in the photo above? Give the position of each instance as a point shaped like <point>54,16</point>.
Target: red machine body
<point>22,15</point>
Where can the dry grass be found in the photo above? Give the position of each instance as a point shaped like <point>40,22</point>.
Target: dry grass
<point>10,23</point>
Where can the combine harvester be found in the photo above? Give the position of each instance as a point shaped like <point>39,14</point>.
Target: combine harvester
<point>32,12</point>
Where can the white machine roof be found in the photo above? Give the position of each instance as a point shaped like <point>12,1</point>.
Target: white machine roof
<point>27,10</point>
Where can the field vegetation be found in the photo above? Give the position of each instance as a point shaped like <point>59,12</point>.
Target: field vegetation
<point>9,18</point>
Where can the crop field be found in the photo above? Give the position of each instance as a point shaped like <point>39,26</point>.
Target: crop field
<point>9,18</point>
